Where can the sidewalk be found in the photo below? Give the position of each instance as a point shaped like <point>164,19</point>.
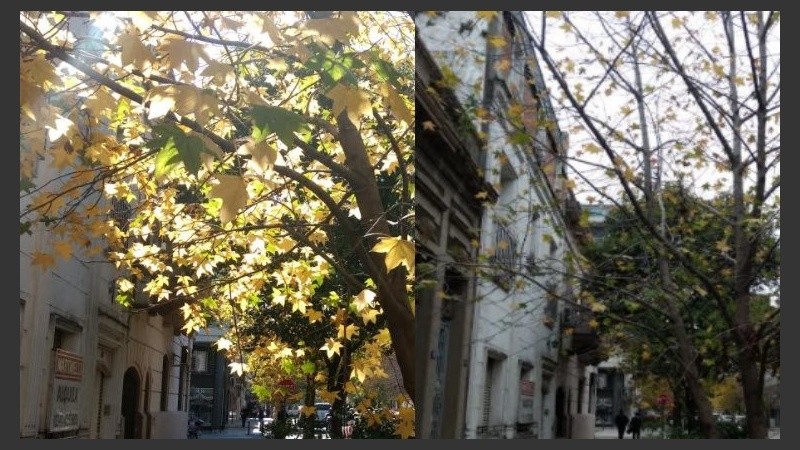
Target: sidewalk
<point>233,432</point>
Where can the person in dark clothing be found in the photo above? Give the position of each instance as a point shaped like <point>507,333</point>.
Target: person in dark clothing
<point>635,426</point>
<point>245,412</point>
<point>621,420</point>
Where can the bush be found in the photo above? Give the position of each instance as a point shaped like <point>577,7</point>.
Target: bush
<point>384,430</point>
<point>731,430</point>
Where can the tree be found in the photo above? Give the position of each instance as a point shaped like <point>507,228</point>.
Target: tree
<point>624,270</point>
<point>232,145</point>
<point>645,104</point>
<point>702,93</point>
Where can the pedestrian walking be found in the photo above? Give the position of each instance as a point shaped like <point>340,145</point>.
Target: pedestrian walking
<point>635,426</point>
<point>244,415</point>
<point>621,420</point>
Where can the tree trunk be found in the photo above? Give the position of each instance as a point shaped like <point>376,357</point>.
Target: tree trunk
<point>308,426</point>
<point>392,294</point>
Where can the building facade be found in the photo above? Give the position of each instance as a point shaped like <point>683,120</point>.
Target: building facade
<point>216,396</point>
<point>90,368</point>
<point>525,378</point>
<point>448,217</point>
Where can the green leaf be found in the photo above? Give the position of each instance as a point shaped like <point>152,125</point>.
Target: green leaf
<point>190,148</point>
<point>385,71</point>
<point>584,220</point>
<point>25,228</point>
<point>25,184</point>
<point>176,146</point>
<point>308,367</point>
<point>332,67</point>
<point>287,365</point>
<point>273,119</point>
<point>166,159</point>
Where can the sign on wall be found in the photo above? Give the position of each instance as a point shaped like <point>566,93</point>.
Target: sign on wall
<point>526,394</point>
<point>64,404</point>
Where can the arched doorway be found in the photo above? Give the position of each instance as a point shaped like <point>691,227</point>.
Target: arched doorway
<point>561,413</point>
<point>130,403</point>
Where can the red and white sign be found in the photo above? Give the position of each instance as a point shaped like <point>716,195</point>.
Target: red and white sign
<point>64,398</point>
<point>288,385</point>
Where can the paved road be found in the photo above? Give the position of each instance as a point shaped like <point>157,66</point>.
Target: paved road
<point>237,432</point>
<point>611,433</point>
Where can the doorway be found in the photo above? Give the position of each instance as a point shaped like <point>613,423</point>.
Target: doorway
<point>130,403</point>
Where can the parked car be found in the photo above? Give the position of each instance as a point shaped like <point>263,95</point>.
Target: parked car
<point>323,411</point>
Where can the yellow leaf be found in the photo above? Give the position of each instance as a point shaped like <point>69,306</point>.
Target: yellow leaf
<point>102,102</point>
<point>497,41</point>
<point>591,147</point>
<point>503,65</point>
<point>722,246</point>
<point>43,260</point>
<point>238,368</point>
<point>676,22</point>
<point>233,192</point>
<point>428,125</point>
<point>264,155</point>
<point>622,14</point>
<point>352,99</point>
<point>180,51</point>
<point>331,347</point>
<point>370,315</point>
<point>333,29</point>
<point>396,103</point>
<point>268,26</point>
<point>299,304</point>
<point>124,285</point>
<point>482,195</point>
<point>364,299</point>
<point>219,72</point>
<point>594,323</point>
<point>224,344</point>
<point>308,411</point>
<point>184,100</point>
<point>398,251</point>
<point>553,14</point>
<point>347,331</point>
<point>318,237</point>
<point>700,291</point>
<point>405,428</point>
<point>61,158</point>
<point>359,374</point>
<point>60,127</point>
<point>63,249</point>
<point>134,52</point>
<point>328,396</point>
<point>313,315</point>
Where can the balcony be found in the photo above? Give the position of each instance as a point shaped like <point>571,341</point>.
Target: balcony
<point>585,342</point>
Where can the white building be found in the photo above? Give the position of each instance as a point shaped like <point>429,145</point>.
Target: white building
<point>525,379</point>
<point>90,368</point>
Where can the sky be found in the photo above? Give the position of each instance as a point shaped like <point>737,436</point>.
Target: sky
<point>613,106</point>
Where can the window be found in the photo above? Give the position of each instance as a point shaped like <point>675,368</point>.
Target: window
<point>199,361</point>
<point>182,377</point>
<point>165,365</point>
<point>505,255</point>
